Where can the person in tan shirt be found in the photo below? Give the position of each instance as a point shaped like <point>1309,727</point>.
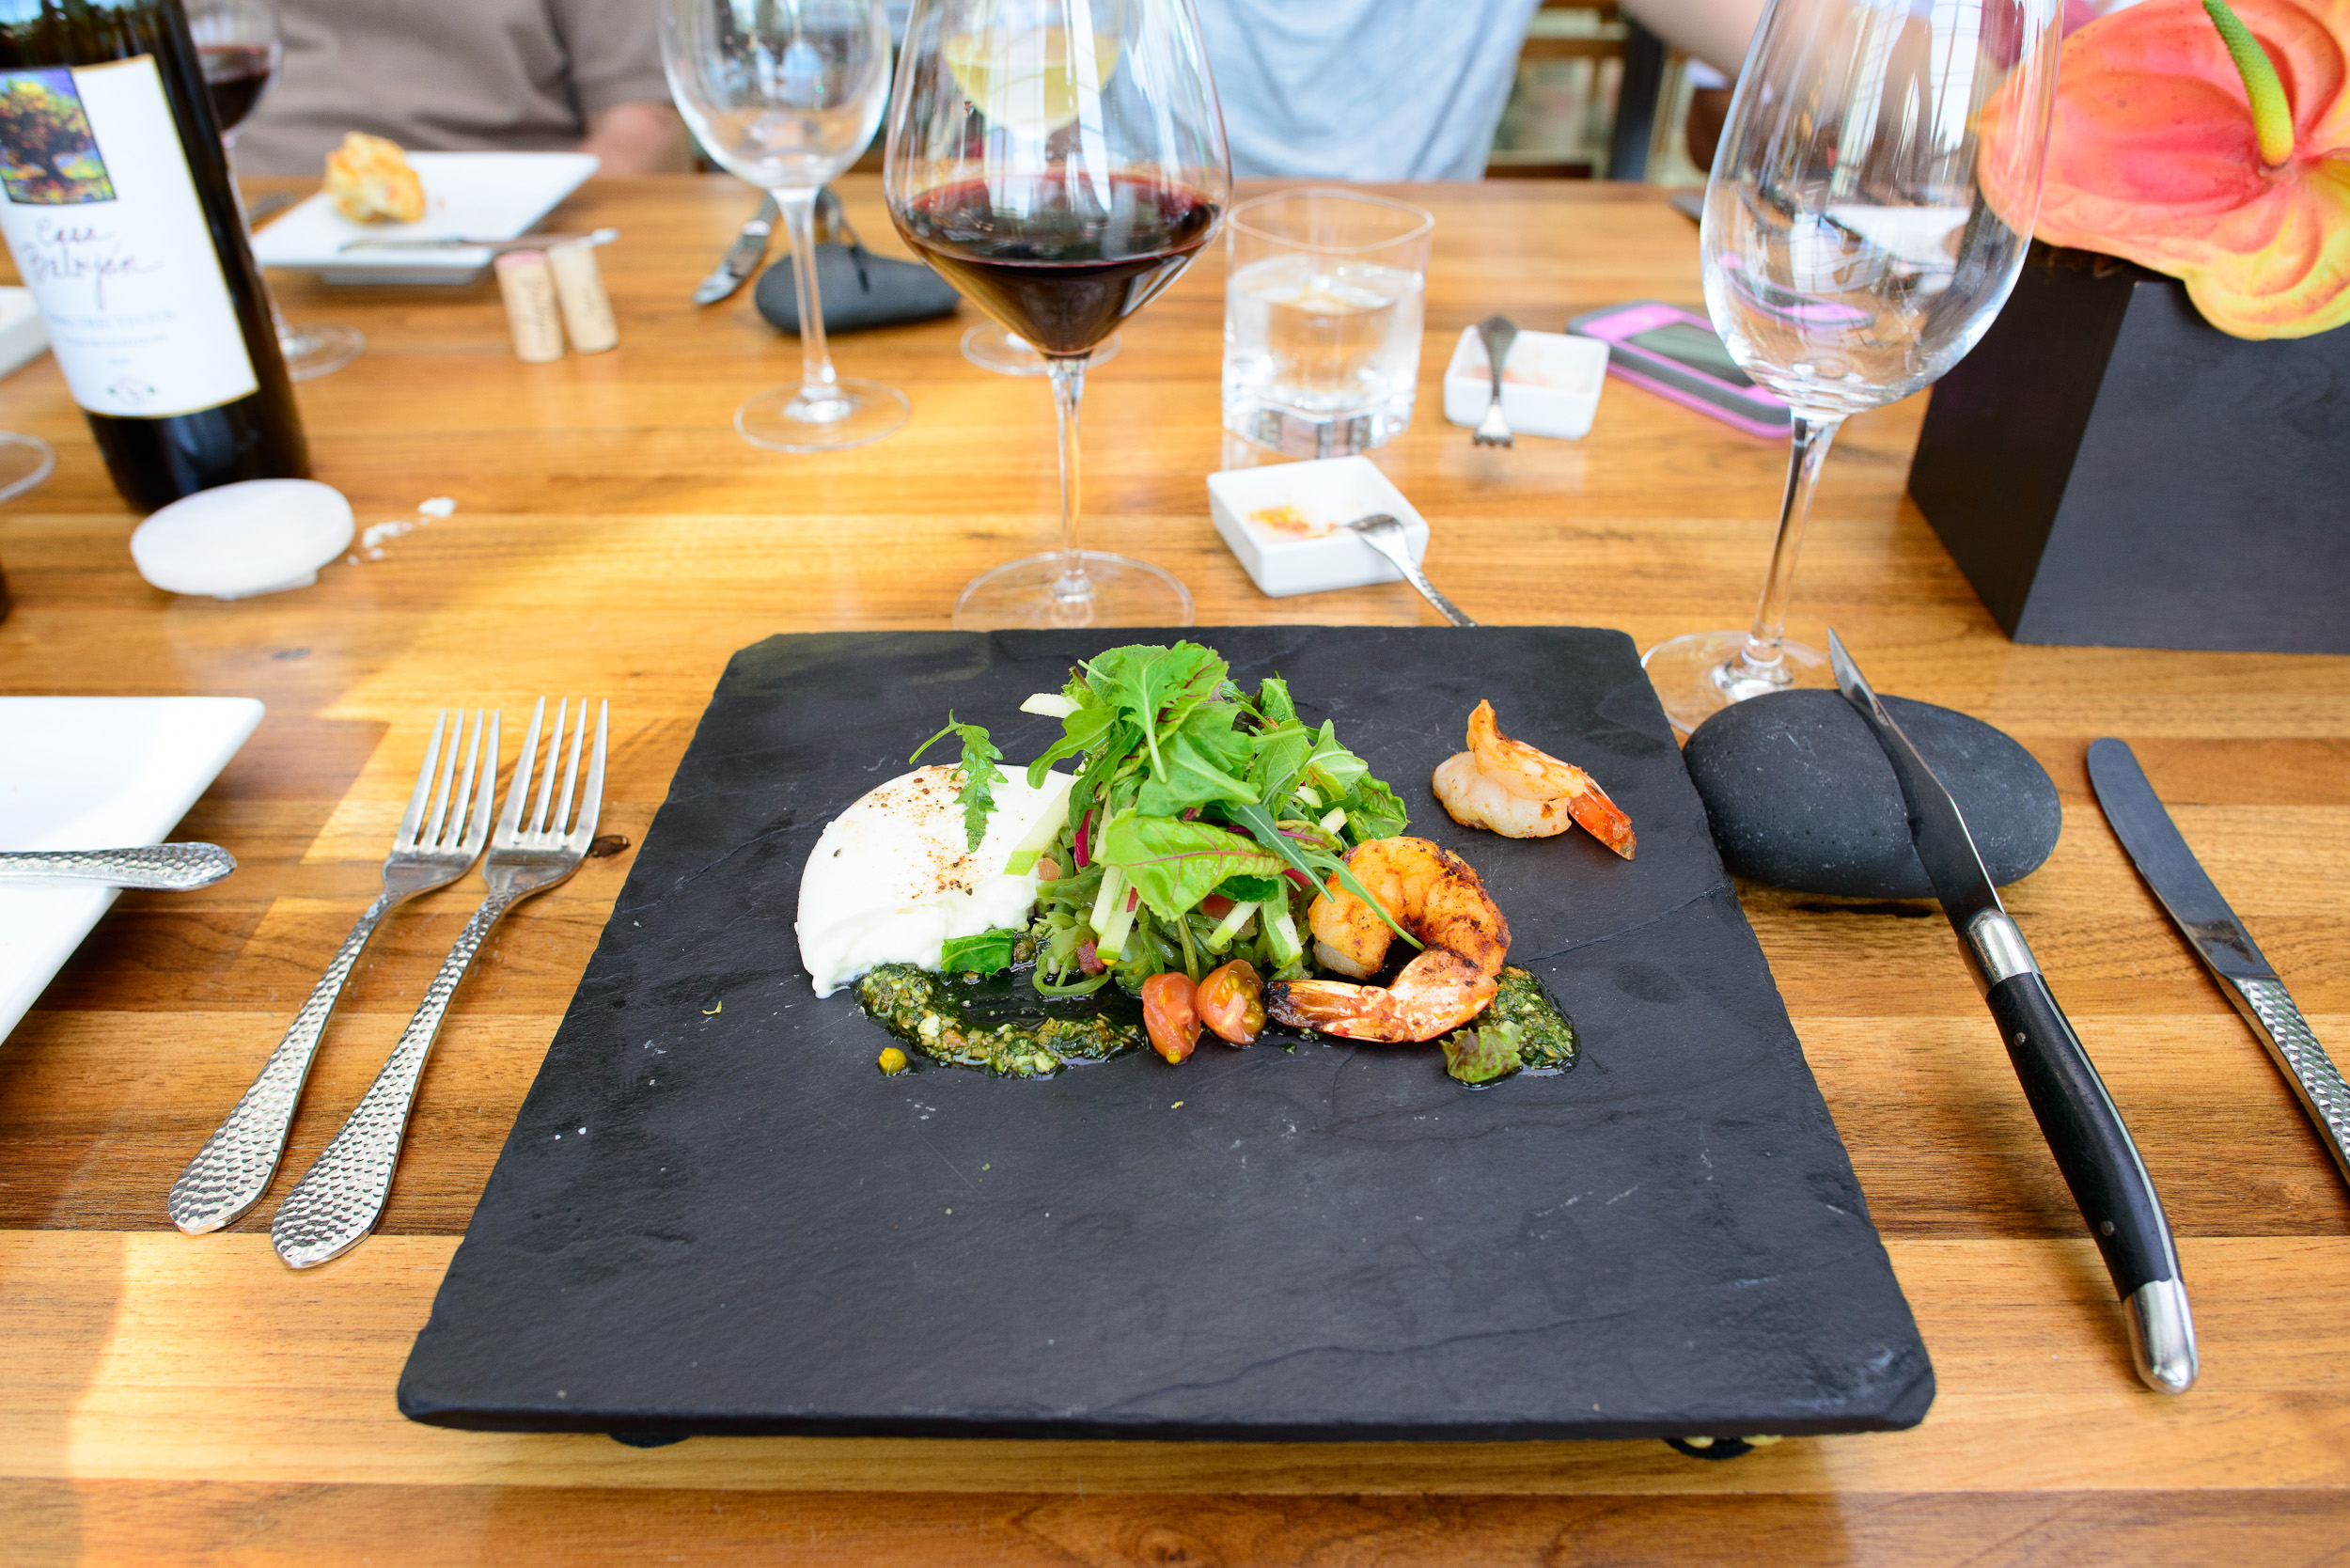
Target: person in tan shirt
<point>465,75</point>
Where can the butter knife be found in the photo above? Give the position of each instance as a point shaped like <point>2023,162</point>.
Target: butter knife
<point>2093,1147</point>
<point>2219,939</point>
<point>458,241</point>
<point>741,258</point>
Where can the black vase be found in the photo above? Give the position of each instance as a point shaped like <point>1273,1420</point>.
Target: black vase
<point>2108,469</point>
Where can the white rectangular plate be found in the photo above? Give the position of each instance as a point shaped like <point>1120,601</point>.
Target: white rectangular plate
<point>482,195</point>
<point>94,773</point>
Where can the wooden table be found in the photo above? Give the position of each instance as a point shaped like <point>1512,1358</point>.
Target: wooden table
<point>166,1399</point>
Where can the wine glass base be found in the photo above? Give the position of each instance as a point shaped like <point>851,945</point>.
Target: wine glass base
<point>858,412</point>
<point>312,352</point>
<point>991,348</point>
<point>1119,591</point>
<point>25,462</point>
<point>1699,675</point>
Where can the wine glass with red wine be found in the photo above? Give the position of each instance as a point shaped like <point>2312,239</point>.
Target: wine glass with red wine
<point>1060,162</point>
<point>239,43</point>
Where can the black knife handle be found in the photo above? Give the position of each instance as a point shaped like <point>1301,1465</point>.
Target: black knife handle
<point>2086,1134</point>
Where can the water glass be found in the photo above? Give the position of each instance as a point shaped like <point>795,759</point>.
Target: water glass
<point>1323,299</point>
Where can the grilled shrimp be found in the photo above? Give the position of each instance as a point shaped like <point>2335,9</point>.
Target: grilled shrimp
<point>1433,895</point>
<point>1521,792</point>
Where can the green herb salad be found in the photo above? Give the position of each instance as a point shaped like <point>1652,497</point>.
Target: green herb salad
<point>1202,822</point>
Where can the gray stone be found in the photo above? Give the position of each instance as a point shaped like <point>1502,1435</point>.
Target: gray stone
<point>1800,795</point>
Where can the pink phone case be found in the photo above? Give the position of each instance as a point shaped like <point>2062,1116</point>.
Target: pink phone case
<point>1617,324</point>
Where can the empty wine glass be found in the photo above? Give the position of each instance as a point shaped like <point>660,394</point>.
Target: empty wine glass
<point>785,94</point>
<point>1060,162</point>
<point>1850,255</point>
<point>239,44</point>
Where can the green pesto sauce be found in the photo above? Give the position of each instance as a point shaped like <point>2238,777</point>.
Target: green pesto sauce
<point>1520,1030</point>
<point>923,1009</point>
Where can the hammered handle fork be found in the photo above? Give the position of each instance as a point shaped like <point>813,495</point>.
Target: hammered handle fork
<point>338,1201</point>
<point>439,836</point>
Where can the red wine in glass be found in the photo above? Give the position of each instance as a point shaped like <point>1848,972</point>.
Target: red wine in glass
<point>236,75</point>
<point>1060,274</point>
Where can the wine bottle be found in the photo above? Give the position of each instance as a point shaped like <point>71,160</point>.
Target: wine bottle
<point>116,202</point>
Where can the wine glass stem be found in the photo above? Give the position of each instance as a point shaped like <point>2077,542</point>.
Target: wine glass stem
<point>818,383</point>
<point>228,156</point>
<point>1808,449</point>
<point>1068,390</point>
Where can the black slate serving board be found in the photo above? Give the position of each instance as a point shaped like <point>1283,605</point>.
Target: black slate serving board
<point>715,1215</point>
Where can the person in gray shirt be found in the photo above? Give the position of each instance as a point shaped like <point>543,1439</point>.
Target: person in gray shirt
<point>1399,90</point>
<point>464,75</point>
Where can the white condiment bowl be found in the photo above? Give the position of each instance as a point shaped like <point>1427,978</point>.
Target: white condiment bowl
<point>1556,391</point>
<point>1326,491</point>
<point>236,540</point>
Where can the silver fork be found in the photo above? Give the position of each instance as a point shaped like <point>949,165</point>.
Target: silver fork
<point>441,834</point>
<point>338,1201</point>
<point>1383,533</point>
<point>1498,332</point>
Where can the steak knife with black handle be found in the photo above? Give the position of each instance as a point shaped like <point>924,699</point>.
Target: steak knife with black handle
<point>2085,1133</point>
<point>2219,939</point>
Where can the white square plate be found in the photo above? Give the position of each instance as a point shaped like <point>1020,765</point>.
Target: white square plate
<point>94,773</point>
<point>1316,495</point>
<point>482,195</point>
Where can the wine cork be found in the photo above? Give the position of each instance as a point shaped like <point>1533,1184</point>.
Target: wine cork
<point>579,286</point>
<point>524,280</point>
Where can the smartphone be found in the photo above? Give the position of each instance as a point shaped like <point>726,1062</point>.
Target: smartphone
<point>1676,354</point>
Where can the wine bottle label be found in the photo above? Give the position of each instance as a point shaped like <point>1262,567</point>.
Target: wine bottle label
<point>101,214</point>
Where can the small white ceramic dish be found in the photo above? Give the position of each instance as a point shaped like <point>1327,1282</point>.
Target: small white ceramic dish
<point>1550,384</point>
<point>94,773</point>
<point>474,195</point>
<point>235,540</point>
<point>1283,523</point>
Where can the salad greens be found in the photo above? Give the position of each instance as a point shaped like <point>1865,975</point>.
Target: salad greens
<point>1201,822</point>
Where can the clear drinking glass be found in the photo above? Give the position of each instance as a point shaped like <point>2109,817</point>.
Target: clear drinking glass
<point>786,94</point>
<point>239,46</point>
<point>1321,321</point>
<point>1060,162</point>
<point>1850,255</point>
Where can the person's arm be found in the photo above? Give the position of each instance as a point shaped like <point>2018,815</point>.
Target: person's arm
<point>640,137</point>
<point>1714,31</point>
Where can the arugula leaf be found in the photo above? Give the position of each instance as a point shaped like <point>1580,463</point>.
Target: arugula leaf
<point>1080,731</point>
<point>979,774</point>
<point>1203,762</point>
<point>1333,764</point>
<point>1273,701</point>
<point>1157,688</point>
<point>1313,863</point>
<point>1281,756</point>
<point>1251,889</point>
<point>1175,864</point>
<point>988,953</point>
<point>1374,812</point>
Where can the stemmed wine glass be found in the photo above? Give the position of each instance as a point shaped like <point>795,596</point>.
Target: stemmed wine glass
<point>1850,255</point>
<point>239,43</point>
<point>1060,162</point>
<point>993,347</point>
<point>786,93</point>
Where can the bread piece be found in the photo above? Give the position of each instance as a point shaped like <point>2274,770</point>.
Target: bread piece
<point>370,180</point>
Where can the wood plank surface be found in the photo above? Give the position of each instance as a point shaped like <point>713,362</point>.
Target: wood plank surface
<point>166,1399</point>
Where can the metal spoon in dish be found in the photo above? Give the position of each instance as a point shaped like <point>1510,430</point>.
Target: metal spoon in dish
<point>1386,535</point>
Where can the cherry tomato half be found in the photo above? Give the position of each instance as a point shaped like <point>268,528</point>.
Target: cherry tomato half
<point>1232,1002</point>
<point>1168,1011</point>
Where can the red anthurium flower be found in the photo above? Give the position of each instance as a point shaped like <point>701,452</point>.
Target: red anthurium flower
<point>2162,154</point>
